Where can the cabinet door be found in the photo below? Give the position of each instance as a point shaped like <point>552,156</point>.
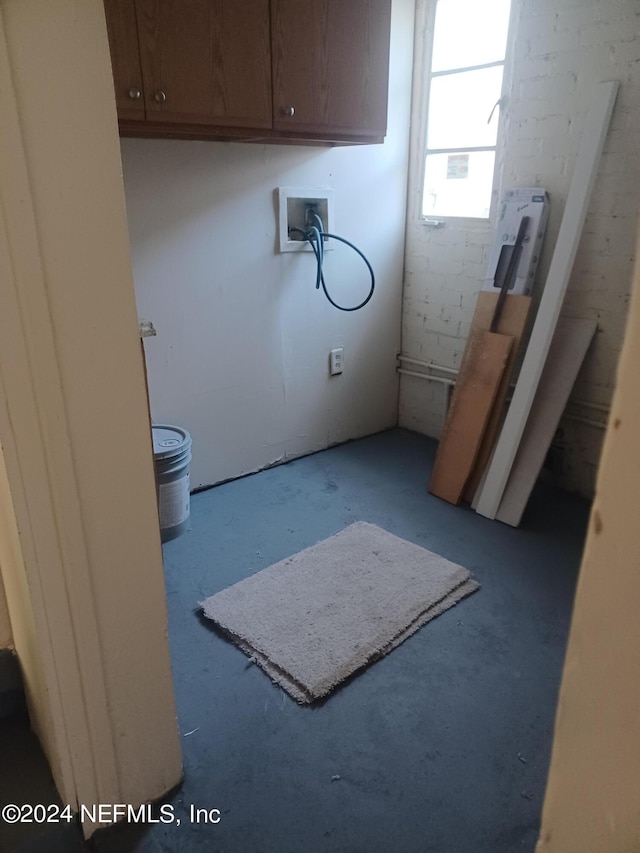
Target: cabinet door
<point>331,66</point>
<point>125,57</point>
<point>206,61</point>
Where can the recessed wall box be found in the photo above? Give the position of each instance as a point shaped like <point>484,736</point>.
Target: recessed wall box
<point>534,203</point>
<point>293,204</point>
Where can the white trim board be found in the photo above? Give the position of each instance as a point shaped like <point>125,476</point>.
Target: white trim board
<point>62,654</point>
<point>584,174</point>
<point>566,354</point>
<point>79,539</point>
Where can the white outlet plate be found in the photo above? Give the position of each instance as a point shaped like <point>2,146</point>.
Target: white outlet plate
<point>291,207</point>
<point>336,361</point>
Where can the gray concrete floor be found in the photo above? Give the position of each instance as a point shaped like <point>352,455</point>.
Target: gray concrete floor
<point>441,747</point>
<point>25,778</point>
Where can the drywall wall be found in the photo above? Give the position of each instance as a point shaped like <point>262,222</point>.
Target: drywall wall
<point>243,338</point>
<point>561,50</point>
<point>5,624</point>
<point>86,599</point>
<point>591,802</point>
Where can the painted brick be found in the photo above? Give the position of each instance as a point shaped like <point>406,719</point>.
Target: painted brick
<point>422,405</point>
<point>413,328</point>
<point>627,52</point>
<point>576,17</point>
<point>475,254</point>
<point>417,265</point>
<point>547,41</point>
<point>542,67</point>
<point>444,296</point>
<point>448,351</point>
<point>606,32</point>
<point>612,10</point>
<point>446,263</point>
<point>442,326</point>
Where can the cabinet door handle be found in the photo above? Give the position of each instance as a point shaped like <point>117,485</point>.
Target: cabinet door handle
<point>135,94</point>
<point>160,96</point>
<point>288,111</point>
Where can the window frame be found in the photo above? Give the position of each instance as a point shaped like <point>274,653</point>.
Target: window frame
<point>425,24</point>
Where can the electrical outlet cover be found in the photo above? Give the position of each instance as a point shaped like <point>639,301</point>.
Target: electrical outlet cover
<point>336,361</point>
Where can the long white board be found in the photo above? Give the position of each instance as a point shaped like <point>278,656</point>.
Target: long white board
<point>566,354</point>
<point>584,174</point>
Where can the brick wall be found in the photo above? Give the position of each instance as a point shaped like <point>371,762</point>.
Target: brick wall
<point>561,50</point>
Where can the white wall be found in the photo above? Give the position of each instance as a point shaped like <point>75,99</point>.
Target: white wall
<point>241,356</point>
<point>562,48</point>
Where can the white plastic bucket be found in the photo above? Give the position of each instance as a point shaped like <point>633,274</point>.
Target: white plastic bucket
<point>172,455</point>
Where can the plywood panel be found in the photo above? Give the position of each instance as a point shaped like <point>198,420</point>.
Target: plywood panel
<point>568,349</point>
<point>513,321</point>
<point>473,398</point>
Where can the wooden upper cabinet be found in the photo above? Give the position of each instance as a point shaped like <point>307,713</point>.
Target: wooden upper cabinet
<point>125,58</point>
<point>262,69</point>
<point>202,61</point>
<point>206,61</point>
<point>330,66</point>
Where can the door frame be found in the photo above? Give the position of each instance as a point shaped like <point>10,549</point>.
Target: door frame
<point>89,704</point>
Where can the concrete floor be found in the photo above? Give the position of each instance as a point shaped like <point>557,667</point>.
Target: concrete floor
<point>25,778</point>
<point>441,747</point>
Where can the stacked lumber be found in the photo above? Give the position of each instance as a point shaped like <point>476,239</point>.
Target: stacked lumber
<point>481,378</point>
<point>479,398</point>
<point>486,456</point>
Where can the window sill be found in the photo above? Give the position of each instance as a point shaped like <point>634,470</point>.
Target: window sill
<point>432,223</point>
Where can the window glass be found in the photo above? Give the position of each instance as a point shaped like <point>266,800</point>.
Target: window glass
<point>459,106</point>
<point>458,184</point>
<point>469,32</point>
<point>464,85</point>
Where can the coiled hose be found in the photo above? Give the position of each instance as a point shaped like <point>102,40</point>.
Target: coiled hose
<point>314,234</point>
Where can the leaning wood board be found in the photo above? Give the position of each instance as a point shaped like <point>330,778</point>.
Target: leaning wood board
<point>567,351</point>
<point>513,321</point>
<point>473,398</point>
<point>584,175</point>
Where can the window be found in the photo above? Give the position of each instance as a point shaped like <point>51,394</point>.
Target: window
<point>465,89</point>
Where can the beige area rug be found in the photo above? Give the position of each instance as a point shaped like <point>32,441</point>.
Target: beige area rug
<point>317,617</point>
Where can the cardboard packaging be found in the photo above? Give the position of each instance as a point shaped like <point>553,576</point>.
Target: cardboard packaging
<point>516,203</point>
